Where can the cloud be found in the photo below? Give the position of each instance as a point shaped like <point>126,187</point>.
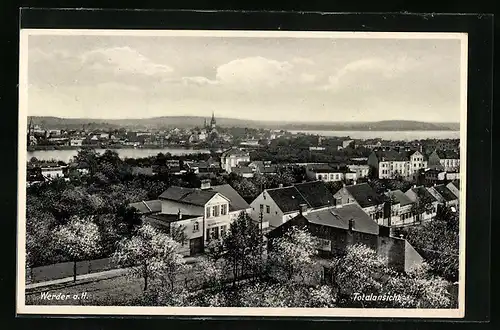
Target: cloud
<point>254,71</point>
<point>359,70</point>
<point>302,60</point>
<point>199,81</point>
<point>123,60</point>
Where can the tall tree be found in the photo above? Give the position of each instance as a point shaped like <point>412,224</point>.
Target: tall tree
<point>242,245</point>
<point>152,255</point>
<point>79,239</point>
<point>291,255</point>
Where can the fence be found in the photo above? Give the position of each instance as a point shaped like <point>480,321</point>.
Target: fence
<point>65,269</point>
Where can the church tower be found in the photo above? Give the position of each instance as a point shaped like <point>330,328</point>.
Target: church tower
<point>212,122</point>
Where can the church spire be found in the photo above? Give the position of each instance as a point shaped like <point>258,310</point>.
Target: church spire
<point>212,122</point>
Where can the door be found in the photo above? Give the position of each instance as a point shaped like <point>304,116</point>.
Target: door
<point>196,246</point>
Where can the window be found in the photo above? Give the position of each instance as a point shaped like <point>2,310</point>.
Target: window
<point>196,226</point>
<point>261,208</point>
<point>208,212</point>
<point>215,210</point>
<point>268,209</point>
<point>223,230</point>
<point>223,209</point>
<point>208,234</point>
<point>214,233</point>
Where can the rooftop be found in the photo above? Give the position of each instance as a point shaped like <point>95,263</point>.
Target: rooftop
<point>314,194</point>
<point>446,193</point>
<point>400,197</point>
<point>147,207</point>
<point>364,195</point>
<point>188,195</point>
<point>339,218</point>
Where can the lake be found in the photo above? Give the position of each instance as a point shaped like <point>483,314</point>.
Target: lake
<point>388,135</point>
<point>67,155</point>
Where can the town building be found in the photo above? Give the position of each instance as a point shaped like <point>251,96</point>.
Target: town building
<point>76,142</point>
<point>444,195</point>
<point>392,164</point>
<point>425,204</point>
<point>401,209</point>
<point>232,157</point>
<point>330,172</point>
<point>337,228</point>
<point>278,205</point>
<point>201,214</point>
<point>446,160</point>
<point>52,171</point>
<point>454,187</point>
<point>367,198</point>
<point>361,171</point>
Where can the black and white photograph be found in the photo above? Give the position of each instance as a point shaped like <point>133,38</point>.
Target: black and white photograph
<point>259,173</point>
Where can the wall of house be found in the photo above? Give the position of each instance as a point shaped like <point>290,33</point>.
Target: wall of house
<point>343,197</point>
<point>52,172</point>
<point>434,160</point>
<point>412,257</point>
<point>173,207</point>
<point>392,250</point>
<point>272,219</point>
<point>361,170</point>
<point>450,164</point>
<point>215,222</point>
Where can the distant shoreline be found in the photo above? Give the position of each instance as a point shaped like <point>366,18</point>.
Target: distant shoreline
<point>56,148</point>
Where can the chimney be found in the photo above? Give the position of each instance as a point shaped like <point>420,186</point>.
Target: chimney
<point>205,184</point>
<point>302,208</point>
<point>351,224</point>
<point>179,214</point>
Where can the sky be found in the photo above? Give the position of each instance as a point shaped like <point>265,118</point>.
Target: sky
<point>259,78</point>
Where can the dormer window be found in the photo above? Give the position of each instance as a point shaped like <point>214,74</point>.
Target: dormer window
<point>196,226</point>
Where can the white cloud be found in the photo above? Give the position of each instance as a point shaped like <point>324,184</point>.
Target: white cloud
<point>302,60</point>
<point>116,86</point>
<point>380,67</point>
<point>200,81</point>
<point>123,59</point>
<point>254,71</point>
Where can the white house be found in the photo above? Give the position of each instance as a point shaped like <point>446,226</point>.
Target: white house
<point>392,164</point>
<point>360,170</point>
<point>424,201</point>
<point>232,157</point>
<point>76,142</point>
<point>327,173</point>
<point>274,207</point>
<point>401,209</point>
<point>52,172</point>
<point>202,214</point>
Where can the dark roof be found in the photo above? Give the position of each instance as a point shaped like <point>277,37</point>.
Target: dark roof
<point>447,154</point>
<point>234,152</point>
<point>392,155</point>
<point>339,218</point>
<point>424,194</point>
<point>456,183</point>
<point>236,202</point>
<point>315,193</point>
<point>400,197</point>
<point>446,193</point>
<point>146,207</point>
<point>288,199</point>
<point>364,195</point>
<point>188,195</point>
